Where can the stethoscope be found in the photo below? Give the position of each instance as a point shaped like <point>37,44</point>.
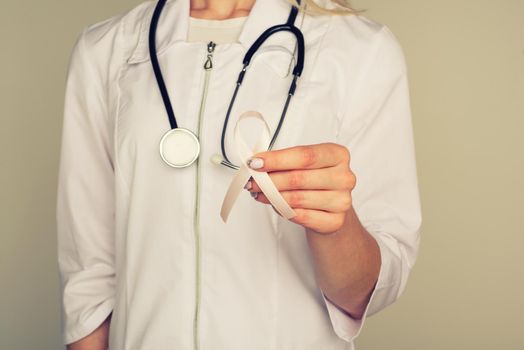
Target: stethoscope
<point>180,147</point>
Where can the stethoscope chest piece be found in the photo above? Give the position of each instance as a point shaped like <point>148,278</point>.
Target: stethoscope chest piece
<point>179,147</point>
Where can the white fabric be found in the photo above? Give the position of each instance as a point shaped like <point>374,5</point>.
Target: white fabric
<point>218,31</point>
<point>137,237</point>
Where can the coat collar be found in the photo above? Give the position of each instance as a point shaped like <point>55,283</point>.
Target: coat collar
<point>174,21</point>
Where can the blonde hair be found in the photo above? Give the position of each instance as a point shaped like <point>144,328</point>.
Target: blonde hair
<point>341,7</point>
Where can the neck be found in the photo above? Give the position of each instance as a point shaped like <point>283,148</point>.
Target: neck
<point>220,9</point>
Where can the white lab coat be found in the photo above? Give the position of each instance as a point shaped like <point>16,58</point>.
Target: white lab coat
<point>146,241</point>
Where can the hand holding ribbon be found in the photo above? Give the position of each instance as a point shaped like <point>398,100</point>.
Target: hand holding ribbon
<point>315,180</point>
<point>245,173</point>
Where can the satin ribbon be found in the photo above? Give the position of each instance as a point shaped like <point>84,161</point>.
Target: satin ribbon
<point>244,173</point>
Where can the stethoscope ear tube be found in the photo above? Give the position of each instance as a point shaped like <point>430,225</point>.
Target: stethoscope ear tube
<point>289,26</point>
<point>156,66</point>
<point>299,67</point>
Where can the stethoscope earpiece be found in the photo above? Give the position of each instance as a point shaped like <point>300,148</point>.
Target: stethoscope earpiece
<point>217,159</point>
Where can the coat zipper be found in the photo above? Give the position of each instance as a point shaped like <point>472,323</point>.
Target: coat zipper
<point>208,67</point>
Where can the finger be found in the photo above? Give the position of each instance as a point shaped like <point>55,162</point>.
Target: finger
<point>315,156</point>
<point>315,179</point>
<point>319,221</point>
<point>331,201</point>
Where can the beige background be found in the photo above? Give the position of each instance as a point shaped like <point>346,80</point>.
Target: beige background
<point>466,61</point>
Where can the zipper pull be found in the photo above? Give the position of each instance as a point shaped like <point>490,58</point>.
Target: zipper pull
<point>209,61</point>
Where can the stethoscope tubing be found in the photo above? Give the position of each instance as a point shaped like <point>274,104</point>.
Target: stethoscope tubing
<point>289,26</point>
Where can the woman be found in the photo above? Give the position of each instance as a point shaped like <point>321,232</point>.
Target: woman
<point>147,262</point>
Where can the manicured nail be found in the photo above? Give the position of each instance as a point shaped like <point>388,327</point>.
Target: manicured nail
<point>254,194</point>
<point>255,163</point>
<point>248,185</point>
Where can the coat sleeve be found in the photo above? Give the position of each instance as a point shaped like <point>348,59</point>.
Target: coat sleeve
<point>377,129</point>
<point>85,200</point>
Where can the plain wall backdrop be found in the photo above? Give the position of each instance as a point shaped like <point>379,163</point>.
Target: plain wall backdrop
<point>466,69</point>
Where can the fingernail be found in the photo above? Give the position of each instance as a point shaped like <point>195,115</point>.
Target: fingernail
<point>255,163</point>
<point>254,194</point>
<point>248,185</point>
